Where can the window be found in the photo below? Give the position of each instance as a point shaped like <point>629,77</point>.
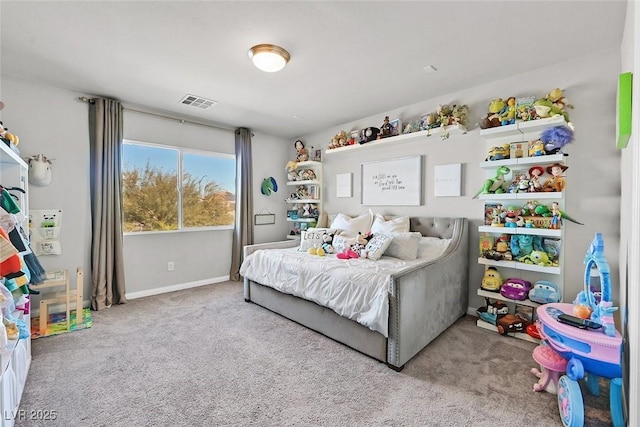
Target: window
<point>169,188</point>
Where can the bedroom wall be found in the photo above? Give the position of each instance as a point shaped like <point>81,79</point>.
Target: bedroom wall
<point>593,193</point>
<point>629,230</point>
<point>53,121</point>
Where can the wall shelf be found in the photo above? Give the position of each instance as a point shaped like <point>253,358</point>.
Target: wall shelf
<point>522,196</point>
<point>516,265</point>
<point>522,131</point>
<point>423,135</point>
<point>496,295</point>
<point>524,161</point>
<point>523,336</point>
<point>521,230</point>
<point>303,220</point>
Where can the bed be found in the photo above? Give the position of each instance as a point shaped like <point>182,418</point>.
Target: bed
<point>420,298</point>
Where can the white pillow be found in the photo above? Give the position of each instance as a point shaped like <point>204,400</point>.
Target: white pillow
<point>394,225</point>
<point>432,247</point>
<point>342,242</point>
<point>404,245</point>
<point>313,238</point>
<point>352,226</point>
<point>377,246</point>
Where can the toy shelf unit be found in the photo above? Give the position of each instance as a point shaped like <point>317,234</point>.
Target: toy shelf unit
<point>56,290</point>
<point>423,135</point>
<point>305,200</point>
<point>15,357</point>
<point>524,222</point>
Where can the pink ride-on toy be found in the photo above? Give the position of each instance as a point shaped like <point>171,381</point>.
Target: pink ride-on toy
<point>593,350</point>
<point>552,365</point>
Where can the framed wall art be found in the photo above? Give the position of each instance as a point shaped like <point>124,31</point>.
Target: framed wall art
<point>395,182</point>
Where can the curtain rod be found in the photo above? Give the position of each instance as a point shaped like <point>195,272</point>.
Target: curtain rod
<point>92,100</point>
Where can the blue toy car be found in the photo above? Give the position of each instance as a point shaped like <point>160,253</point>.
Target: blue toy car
<point>544,292</point>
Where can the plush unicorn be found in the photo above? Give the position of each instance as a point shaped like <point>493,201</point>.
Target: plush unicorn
<point>39,170</point>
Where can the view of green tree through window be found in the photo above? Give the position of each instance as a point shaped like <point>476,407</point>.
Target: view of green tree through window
<point>155,199</point>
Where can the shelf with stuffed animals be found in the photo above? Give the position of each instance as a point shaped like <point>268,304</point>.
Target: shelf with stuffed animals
<point>445,121</point>
<point>525,220</point>
<point>306,199</point>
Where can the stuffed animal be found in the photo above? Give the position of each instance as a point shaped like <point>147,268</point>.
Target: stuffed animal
<point>555,138</point>
<point>7,137</point>
<point>327,243</point>
<point>493,116</point>
<point>369,134</point>
<point>357,249</point>
<point>301,153</point>
<point>459,114</point>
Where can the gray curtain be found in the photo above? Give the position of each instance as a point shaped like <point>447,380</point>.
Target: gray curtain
<point>107,268</point>
<point>243,231</point>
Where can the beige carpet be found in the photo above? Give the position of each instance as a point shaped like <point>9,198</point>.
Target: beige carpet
<point>205,357</point>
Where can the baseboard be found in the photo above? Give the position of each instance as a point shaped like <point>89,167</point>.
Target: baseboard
<point>173,288</point>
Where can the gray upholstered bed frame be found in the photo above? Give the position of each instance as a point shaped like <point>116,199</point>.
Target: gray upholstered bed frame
<point>424,299</point>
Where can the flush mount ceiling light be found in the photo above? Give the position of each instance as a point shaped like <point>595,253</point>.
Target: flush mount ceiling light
<point>269,57</point>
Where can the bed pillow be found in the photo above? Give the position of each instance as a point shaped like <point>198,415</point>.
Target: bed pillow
<point>342,241</point>
<point>377,246</point>
<point>404,245</point>
<point>352,226</point>
<point>394,225</point>
<point>432,247</point>
<point>313,238</point>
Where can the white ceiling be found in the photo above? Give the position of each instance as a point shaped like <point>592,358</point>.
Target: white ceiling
<point>349,59</point>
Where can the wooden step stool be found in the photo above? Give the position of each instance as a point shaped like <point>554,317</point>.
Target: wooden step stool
<point>67,297</point>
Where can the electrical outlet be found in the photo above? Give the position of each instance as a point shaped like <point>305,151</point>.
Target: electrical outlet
<point>170,266</point>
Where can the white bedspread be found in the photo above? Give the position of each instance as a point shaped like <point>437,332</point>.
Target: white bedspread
<point>357,288</point>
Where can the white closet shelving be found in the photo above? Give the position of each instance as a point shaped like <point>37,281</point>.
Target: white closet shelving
<point>15,358</point>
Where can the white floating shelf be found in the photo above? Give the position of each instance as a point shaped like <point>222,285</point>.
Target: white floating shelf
<point>522,131</point>
<point>520,266</point>
<point>522,161</point>
<point>293,202</point>
<point>520,230</point>
<point>523,336</point>
<point>305,182</point>
<point>522,196</point>
<point>424,135</point>
<point>302,220</point>
<point>496,295</point>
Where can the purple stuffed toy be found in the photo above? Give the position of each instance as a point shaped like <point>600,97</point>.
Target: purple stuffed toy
<point>555,138</point>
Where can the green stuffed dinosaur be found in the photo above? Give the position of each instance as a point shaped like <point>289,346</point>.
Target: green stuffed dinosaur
<point>544,211</point>
<point>545,108</point>
<point>494,185</point>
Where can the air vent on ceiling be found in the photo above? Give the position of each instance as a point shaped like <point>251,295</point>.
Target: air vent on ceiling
<point>198,101</point>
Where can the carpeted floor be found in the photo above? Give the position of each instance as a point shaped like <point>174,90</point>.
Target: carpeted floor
<point>205,357</point>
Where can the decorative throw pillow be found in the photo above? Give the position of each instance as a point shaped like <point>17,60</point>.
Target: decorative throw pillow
<point>352,226</point>
<point>394,225</point>
<point>342,242</point>
<point>313,238</point>
<point>404,245</point>
<point>377,246</point>
<point>432,247</point>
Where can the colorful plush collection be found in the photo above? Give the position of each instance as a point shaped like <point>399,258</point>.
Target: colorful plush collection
<point>503,112</point>
<point>19,268</point>
<point>370,237</point>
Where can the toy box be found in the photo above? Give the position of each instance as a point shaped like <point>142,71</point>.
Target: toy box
<point>519,150</point>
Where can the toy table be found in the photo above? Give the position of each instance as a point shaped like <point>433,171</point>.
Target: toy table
<point>590,354</point>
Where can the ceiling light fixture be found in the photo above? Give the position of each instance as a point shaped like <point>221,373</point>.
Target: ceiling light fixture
<point>269,57</point>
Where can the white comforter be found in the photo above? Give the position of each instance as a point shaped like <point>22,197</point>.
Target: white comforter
<point>357,288</point>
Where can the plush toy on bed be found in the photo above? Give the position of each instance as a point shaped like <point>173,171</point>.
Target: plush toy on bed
<point>327,243</point>
<point>357,249</point>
